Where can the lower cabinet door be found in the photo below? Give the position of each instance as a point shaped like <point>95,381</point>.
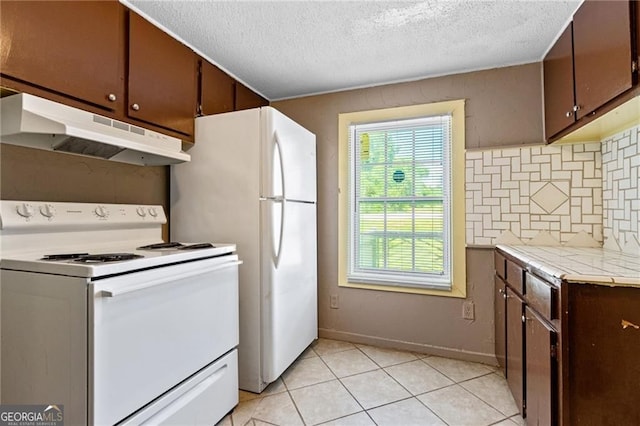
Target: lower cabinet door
<point>541,376</point>
<point>515,360</point>
<point>499,322</point>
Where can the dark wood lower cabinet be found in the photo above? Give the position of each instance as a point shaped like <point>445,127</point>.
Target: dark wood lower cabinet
<point>540,372</point>
<point>500,303</point>
<point>514,347</point>
<point>572,350</point>
<point>603,355</point>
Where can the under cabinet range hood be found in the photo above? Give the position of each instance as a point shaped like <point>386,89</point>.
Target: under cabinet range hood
<point>34,122</point>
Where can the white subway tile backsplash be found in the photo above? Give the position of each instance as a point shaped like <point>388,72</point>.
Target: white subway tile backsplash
<point>559,190</point>
<point>532,189</point>
<point>621,186</point>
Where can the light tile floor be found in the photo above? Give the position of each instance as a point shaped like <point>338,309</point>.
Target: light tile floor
<point>340,383</point>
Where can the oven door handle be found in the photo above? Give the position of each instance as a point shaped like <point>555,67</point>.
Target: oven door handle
<point>166,280</point>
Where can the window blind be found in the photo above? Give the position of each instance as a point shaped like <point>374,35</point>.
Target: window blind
<point>400,202</point>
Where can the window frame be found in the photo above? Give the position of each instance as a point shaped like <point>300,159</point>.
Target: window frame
<point>456,197</point>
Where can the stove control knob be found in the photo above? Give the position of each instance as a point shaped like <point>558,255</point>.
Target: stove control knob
<point>101,212</point>
<point>25,210</point>
<point>47,210</point>
<point>153,212</point>
<point>141,212</point>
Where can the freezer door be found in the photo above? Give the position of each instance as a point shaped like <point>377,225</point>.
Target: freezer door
<point>289,158</point>
<point>289,311</point>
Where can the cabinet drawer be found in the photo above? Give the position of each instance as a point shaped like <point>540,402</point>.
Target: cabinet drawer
<point>500,264</point>
<point>542,297</point>
<point>514,276</point>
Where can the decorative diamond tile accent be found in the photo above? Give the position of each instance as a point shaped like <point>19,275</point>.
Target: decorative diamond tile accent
<point>549,197</point>
<point>552,188</point>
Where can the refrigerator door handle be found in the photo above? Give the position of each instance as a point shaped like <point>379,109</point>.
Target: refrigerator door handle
<point>275,253</point>
<point>278,147</point>
<point>276,258</point>
<point>280,199</point>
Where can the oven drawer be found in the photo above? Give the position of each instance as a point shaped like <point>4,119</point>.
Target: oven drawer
<point>204,399</point>
<point>151,330</point>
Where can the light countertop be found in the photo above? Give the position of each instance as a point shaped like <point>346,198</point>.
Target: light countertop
<point>580,265</point>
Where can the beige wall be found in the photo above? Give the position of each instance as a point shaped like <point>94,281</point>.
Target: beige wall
<point>503,107</point>
<point>38,175</point>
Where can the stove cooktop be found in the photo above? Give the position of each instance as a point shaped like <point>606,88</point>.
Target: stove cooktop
<point>113,259</point>
<point>91,240</point>
<point>91,258</point>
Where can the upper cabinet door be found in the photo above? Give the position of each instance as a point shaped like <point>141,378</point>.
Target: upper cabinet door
<point>162,78</point>
<point>216,90</point>
<point>637,4</point>
<point>558,85</point>
<point>247,98</point>
<point>75,48</point>
<point>602,53</point>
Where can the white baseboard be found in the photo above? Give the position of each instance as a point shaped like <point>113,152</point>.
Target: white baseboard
<point>484,358</point>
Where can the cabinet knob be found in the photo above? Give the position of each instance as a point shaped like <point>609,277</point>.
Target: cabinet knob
<point>112,97</point>
<point>576,108</point>
<point>569,114</point>
<point>135,107</point>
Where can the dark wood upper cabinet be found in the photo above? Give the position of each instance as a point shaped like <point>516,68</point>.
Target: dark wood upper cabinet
<point>637,6</point>
<point>602,53</point>
<point>247,98</point>
<point>591,68</point>
<point>558,84</point>
<point>74,48</point>
<point>217,91</point>
<point>162,78</point>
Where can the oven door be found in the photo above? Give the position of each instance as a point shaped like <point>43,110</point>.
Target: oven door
<point>151,330</point>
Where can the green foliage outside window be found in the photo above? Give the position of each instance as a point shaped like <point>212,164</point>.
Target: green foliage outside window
<point>400,200</point>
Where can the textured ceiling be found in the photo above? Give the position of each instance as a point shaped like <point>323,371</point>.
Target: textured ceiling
<point>286,49</point>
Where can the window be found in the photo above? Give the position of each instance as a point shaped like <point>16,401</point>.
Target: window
<point>399,201</point>
<point>398,207</point>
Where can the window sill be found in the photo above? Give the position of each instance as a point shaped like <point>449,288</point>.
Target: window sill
<point>456,291</point>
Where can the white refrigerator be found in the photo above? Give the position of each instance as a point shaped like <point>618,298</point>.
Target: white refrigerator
<point>252,181</point>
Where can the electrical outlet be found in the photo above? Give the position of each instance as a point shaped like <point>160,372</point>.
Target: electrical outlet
<point>333,301</point>
<point>468,310</point>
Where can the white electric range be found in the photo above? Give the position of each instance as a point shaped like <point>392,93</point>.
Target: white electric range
<point>100,316</point>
